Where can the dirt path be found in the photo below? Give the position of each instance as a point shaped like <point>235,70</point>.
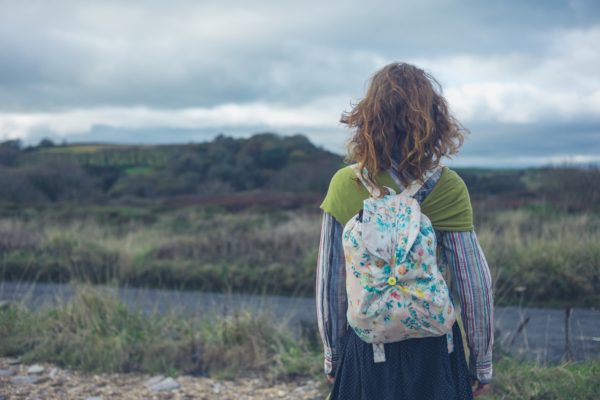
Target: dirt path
<point>46,381</point>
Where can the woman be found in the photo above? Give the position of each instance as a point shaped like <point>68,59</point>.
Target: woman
<point>402,130</point>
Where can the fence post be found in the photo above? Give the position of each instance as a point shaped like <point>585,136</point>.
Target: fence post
<point>568,356</point>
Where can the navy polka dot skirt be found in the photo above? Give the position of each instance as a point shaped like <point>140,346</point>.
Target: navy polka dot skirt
<point>415,369</point>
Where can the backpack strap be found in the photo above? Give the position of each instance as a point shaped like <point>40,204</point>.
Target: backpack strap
<point>410,191</point>
<point>373,190</point>
<point>415,187</point>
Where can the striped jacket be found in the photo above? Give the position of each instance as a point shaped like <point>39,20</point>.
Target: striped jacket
<point>470,279</point>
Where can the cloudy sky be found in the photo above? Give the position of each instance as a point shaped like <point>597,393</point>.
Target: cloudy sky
<point>522,76</point>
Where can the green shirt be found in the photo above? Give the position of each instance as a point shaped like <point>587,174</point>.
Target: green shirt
<point>448,206</point>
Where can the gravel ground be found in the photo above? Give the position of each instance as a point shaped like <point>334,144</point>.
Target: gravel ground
<point>47,381</point>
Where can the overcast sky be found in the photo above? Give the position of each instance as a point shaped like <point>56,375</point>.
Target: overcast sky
<point>523,77</point>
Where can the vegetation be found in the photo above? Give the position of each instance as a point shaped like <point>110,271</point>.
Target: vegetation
<point>102,173</point>
<point>524,380</point>
<point>216,216</point>
<point>554,257</point>
<point>96,333</point>
<point>252,251</point>
<point>93,173</point>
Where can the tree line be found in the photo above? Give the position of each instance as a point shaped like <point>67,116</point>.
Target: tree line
<point>100,173</point>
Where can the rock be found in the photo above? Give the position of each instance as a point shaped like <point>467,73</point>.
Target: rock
<point>27,379</point>
<point>35,369</point>
<point>217,387</point>
<point>74,384</point>
<point>13,361</point>
<point>7,372</point>
<point>154,380</point>
<point>164,385</point>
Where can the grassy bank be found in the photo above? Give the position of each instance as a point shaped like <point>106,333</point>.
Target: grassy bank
<point>518,380</point>
<point>553,257</point>
<point>192,248</point>
<point>94,332</point>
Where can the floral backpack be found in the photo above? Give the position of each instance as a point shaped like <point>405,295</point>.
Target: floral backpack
<point>395,289</point>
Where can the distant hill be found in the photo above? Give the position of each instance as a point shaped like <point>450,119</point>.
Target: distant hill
<point>265,169</point>
<point>225,166</point>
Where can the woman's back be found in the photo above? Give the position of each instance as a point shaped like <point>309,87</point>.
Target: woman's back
<point>403,129</point>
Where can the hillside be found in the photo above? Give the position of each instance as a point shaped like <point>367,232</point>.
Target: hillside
<point>265,169</point>
<point>110,173</point>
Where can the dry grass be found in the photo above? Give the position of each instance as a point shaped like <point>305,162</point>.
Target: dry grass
<point>555,257</point>
<point>96,332</point>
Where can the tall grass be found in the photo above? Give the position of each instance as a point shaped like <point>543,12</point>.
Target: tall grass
<point>96,332</point>
<point>189,248</point>
<point>522,380</point>
<point>555,258</point>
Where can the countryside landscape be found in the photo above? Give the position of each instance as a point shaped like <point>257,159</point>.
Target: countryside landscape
<point>162,167</point>
<point>241,215</point>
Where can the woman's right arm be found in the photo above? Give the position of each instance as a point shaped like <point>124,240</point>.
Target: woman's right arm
<point>331,290</point>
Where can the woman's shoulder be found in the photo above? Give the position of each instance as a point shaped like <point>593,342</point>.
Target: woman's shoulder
<point>448,205</point>
<point>343,177</point>
<point>451,180</point>
<point>344,195</point>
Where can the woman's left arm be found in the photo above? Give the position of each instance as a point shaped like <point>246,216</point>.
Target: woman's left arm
<point>473,281</point>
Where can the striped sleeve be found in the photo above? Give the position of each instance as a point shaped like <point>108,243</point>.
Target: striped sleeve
<point>472,279</point>
<point>331,290</point>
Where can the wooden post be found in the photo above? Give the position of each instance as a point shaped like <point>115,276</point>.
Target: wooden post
<point>568,356</point>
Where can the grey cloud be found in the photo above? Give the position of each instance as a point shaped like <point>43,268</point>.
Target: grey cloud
<point>57,55</point>
<point>501,144</point>
<point>65,55</point>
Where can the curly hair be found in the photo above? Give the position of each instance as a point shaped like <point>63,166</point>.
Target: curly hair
<point>403,112</point>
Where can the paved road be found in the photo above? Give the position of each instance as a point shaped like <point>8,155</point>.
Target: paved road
<point>541,339</point>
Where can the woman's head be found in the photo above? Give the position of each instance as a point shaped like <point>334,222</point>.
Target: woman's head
<point>403,116</point>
